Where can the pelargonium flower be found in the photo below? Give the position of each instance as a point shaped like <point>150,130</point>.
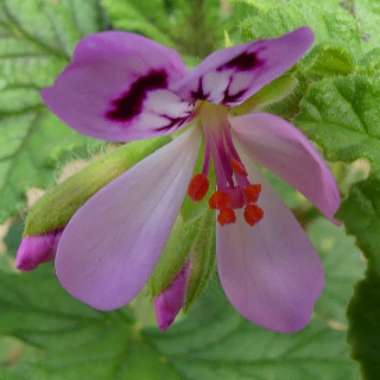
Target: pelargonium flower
<point>120,87</point>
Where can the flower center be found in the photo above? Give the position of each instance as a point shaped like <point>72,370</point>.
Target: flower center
<point>233,188</point>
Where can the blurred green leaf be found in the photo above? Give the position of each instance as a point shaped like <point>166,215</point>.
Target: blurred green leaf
<point>211,342</point>
<point>361,214</point>
<point>36,40</point>
<point>192,27</point>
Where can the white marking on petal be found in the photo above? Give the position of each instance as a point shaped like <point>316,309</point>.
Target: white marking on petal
<point>164,102</point>
<point>215,83</point>
<point>240,82</point>
<point>150,120</point>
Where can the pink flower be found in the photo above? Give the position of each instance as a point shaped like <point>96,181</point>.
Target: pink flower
<point>119,87</point>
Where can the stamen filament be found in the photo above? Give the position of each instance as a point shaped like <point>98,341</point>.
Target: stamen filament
<point>233,188</point>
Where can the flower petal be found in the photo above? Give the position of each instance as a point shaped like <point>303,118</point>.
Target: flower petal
<point>111,245</point>
<point>232,75</point>
<point>282,148</point>
<point>117,88</point>
<point>269,272</point>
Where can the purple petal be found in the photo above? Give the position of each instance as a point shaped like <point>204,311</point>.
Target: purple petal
<point>269,272</point>
<point>169,303</point>
<point>282,148</point>
<point>117,88</point>
<point>111,245</point>
<point>232,75</point>
<point>35,250</point>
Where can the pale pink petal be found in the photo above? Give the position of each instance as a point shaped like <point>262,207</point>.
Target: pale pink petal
<point>117,88</point>
<point>111,245</point>
<point>169,303</point>
<point>270,272</point>
<point>232,75</point>
<point>282,148</point>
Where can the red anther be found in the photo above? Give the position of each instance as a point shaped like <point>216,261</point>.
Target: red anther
<point>198,187</point>
<point>253,214</point>
<point>219,200</point>
<point>238,167</point>
<point>252,193</point>
<point>226,216</point>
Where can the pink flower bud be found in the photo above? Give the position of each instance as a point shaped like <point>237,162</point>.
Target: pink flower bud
<point>169,303</point>
<point>35,250</point>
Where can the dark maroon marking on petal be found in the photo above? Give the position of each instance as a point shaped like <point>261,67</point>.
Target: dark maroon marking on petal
<point>173,122</point>
<point>228,98</point>
<point>199,94</point>
<point>243,62</point>
<point>130,103</point>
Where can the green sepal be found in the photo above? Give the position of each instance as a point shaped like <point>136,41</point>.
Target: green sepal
<point>54,210</point>
<point>192,241</point>
<point>174,255</point>
<point>272,93</point>
<point>202,257</point>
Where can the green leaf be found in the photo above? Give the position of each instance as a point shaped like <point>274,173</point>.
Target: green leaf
<point>330,22</point>
<point>211,342</point>
<point>329,61</point>
<point>342,115</point>
<point>361,214</point>
<point>54,210</point>
<point>367,13</point>
<point>36,40</point>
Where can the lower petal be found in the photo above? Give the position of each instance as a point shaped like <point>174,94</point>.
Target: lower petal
<point>111,245</point>
<point>269,272</point>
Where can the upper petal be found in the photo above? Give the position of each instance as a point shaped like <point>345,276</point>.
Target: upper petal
<point>232,75</point>
<point>118,88</point>
<point>282,148</point>
<point>269,272</point>
<point>111,245</point>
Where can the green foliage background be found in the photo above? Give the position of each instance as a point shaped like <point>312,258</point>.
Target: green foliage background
<point>334,99</point>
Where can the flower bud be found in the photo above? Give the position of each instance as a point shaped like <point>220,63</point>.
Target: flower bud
<point>55,208</point>
<point>169,303</point>
<point>35,250</point>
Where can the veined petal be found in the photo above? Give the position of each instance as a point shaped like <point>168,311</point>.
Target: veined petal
<point>118,88</point>
<point>111,245</point>
<point>282,148</point>
<point>269,272</point>
<point>232,75</point>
